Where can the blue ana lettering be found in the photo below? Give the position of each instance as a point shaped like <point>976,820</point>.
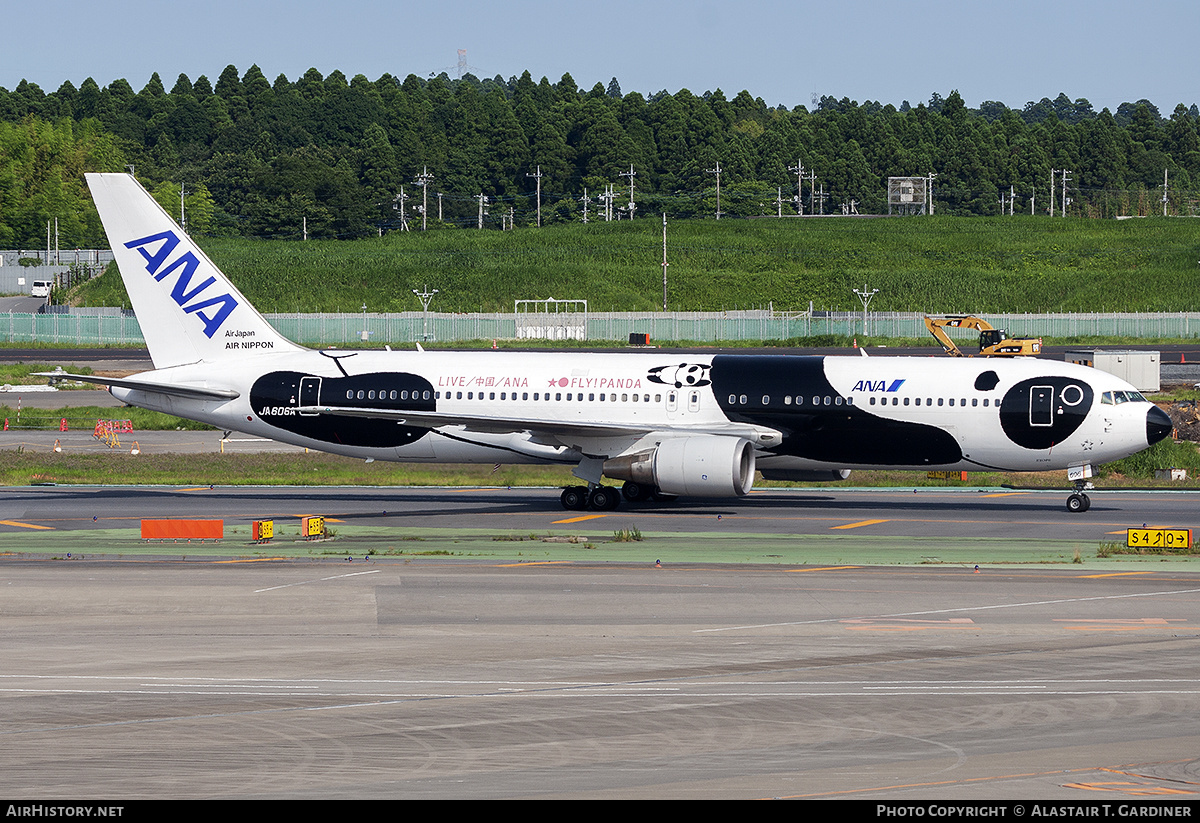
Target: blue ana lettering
<point>878,385</point>
<point>185,265</point>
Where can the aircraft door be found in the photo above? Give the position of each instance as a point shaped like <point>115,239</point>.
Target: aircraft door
<point>1041,406</point>
<point>672,403</point>
<point>310,391</point>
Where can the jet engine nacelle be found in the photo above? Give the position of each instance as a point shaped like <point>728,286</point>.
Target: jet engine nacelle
<point>701,466</point>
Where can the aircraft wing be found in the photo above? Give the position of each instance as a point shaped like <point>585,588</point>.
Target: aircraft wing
<point>174,389</point>
<point>566,432</point>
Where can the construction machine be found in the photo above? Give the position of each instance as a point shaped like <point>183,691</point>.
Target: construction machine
<point>993,342</point>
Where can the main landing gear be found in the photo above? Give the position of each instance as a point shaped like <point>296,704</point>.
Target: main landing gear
<point>607,498</point>
<point>600,498</point>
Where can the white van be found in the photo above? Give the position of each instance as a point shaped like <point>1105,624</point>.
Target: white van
<point>41,288</point>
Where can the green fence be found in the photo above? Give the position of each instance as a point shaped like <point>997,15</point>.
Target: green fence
<point>664,327</point>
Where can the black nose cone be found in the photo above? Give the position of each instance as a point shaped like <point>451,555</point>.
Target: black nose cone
<point>1158,425</point>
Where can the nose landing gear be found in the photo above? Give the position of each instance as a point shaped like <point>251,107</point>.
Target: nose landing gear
<point>1078,502</point>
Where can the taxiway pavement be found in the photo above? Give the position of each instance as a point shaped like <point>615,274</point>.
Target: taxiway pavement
<point>484,679</point>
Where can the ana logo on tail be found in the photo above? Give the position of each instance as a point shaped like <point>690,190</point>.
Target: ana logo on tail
<point>187,263</point>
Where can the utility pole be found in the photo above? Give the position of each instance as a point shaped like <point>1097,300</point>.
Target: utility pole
<point>182,215</point>
<point>423,180</point>
<point>665,263</point>
<point>630,174</point>
<point>1065,178</point>
<point>1052,173</point>
<point>425,297</point>
<point>401,199</point>
<point>799,169</point>
<point>1164,192</point>
<point>865,297</point>
<point>821,200</point>
<point>439,207</point>
<point>929,194</point>
<point>717,172</point>
<point>482,211</point>
<point>538,177</point>
<point>1012,195</point>
<point>584,200</point>
<point>779,201</point>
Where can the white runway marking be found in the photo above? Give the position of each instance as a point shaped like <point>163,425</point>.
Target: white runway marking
<point>951,611</point>
<point>318,580</point>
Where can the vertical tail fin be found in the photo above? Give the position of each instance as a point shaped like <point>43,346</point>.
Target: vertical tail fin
<point>188,310</point>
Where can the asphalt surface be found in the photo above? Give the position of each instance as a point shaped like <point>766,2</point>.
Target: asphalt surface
<point>424,678</point>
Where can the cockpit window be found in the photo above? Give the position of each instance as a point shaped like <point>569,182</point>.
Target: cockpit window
<point>1116,398</point>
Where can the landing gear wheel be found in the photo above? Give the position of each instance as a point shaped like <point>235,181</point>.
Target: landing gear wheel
<point>635,492</point>
<point>1078,503</point>
<point>574,498</point>
<point>604,498</point>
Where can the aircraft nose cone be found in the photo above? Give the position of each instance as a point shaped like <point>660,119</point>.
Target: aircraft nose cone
<point>1158,425</point>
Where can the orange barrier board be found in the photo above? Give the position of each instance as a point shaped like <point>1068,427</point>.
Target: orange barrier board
<point>183,529</point>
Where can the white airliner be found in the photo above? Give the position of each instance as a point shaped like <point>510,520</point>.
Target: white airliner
<point>696,425</point>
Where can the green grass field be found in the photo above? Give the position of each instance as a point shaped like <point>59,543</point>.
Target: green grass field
<point>928,264</point>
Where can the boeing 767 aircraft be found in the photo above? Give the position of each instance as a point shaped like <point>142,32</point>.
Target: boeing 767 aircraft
<point>666,425</point>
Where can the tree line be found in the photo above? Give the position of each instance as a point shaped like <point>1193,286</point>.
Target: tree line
<point>328,156</point>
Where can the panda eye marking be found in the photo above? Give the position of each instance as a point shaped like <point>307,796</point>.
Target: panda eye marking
<point>689,375</point>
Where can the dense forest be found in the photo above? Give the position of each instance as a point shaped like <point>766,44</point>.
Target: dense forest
<point>329,156</point>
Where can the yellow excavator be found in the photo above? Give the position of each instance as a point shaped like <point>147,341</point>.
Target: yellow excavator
<point>993,342</point>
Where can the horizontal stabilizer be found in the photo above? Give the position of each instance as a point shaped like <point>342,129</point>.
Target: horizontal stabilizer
<point>173,389</point>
